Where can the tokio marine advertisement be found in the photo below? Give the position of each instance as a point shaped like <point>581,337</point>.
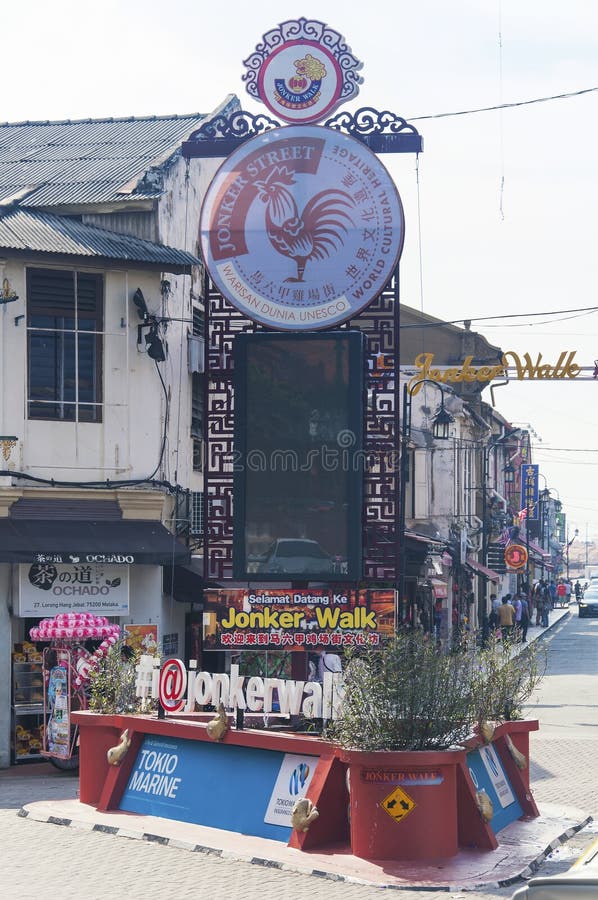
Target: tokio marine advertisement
<point>296,619</point>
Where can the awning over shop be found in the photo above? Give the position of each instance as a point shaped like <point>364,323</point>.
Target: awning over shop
<point>418,548</point>
<point>440,588</point>
<point>185,583</point>
<point>538,552</point>
<point>482,570</point>
<point>124,542</point>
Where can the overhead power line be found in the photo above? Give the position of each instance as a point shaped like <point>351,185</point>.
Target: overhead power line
<point>555,312</point>
<point>481,109</point>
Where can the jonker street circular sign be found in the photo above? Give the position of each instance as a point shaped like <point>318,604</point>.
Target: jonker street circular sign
<point>301,228</point>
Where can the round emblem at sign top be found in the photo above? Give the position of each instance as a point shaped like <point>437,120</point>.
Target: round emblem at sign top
<point>301,228</point>
<point>301,82</point>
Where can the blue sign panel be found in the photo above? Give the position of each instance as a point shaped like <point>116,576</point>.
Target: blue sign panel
<point>219,785</point>
<point>488,775</point>
<point>529,490</point>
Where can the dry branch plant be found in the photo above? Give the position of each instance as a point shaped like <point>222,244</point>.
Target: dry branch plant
<point>406,695</point>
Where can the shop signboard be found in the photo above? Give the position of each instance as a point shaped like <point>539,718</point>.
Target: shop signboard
<point>529,490</point>
<point>268,619</point>
<point>516,556</point>
<point>47,589</point>
<point>302,70</point>
<point>141,638</point>
<point>301,228</point>
<point>488,775</point>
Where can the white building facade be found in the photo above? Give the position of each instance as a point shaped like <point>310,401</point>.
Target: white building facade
<point>101,361</point>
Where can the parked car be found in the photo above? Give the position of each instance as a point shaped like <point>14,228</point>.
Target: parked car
<point>296,556</point>
<point>588,604</point>
<point>580,882</point>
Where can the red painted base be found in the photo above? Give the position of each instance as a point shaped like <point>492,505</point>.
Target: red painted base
<point>402,805</point>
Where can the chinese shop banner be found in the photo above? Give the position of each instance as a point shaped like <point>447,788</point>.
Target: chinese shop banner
<point>141,638</point>
<point>47,589</point>
<point>271,619</point>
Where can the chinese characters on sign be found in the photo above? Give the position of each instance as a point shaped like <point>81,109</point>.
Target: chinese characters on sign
<point>296,619</point>
<point>48,589</point>
<point>529,490</point>
<point>301,228</point>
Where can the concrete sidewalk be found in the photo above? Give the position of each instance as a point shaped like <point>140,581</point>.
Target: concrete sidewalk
<point>523,844</point>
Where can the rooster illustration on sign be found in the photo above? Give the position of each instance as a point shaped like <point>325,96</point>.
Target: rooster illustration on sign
<point>311,235</point>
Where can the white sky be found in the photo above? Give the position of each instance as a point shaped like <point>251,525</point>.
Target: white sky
<point>73,60</point>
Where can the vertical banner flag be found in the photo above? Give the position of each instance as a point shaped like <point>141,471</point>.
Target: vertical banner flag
<point>529,491</point>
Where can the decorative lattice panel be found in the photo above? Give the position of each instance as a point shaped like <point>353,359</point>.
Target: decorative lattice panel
<point>379,323</point>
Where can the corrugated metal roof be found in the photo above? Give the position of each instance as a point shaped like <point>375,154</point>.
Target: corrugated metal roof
<point>31,230</point>
<point>89,161</point>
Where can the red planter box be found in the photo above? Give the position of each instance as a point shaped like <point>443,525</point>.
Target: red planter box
<point>404,804</point>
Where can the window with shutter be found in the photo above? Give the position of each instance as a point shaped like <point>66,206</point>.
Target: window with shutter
<point>197,405</point>
<point>64,326</point>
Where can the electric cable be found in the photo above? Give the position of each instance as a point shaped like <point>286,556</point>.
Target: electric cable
<point>166,418</point>
<point>557,312</point>
<point>498,106</point>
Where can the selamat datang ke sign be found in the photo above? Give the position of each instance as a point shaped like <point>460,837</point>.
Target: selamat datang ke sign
<point>268,619</point>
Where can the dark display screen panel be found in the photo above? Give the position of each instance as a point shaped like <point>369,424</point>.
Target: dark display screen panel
<point>298,456</point>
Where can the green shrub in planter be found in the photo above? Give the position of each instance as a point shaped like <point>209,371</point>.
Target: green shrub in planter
<point>112,683</point>
<point>407,695</point>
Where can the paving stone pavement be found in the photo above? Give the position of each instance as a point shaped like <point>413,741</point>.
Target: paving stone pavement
<point>40,860</point>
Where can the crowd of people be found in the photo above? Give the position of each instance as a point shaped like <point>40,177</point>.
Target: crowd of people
<point>513,614</point>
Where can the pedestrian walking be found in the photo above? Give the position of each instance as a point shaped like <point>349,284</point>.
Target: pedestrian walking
<point>524,621</point>
<point>493,618</point>
<point>506,617</point>
<point>541,591</point>
<point>517,607</point>
<point>545,610</point>
<point>567,592</point>
<point>578,591</point>
<point>561,593</point>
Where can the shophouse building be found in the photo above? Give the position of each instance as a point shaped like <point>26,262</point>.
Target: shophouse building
<point>101,361</point>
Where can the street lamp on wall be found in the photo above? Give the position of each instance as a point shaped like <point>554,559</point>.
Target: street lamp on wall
<point>440,430</point>
<point>568,546</point>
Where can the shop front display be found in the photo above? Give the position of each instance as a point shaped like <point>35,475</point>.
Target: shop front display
<point>27,702</point>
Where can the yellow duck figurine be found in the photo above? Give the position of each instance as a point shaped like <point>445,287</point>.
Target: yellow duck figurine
<point>484,805</point>
<point>115,755</point>
<point>487,731</point>
<point>218,726</point>
<point>304,814</point>
<point>518,757</point>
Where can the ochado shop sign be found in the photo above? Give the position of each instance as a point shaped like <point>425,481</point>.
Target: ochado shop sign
<point>179,689</point>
